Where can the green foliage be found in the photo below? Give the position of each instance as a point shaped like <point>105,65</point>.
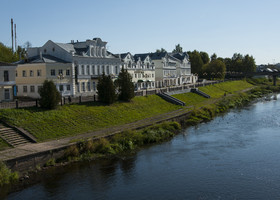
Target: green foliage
<point>240,63</point>
<point>178,49</point>
<point>7,55</point>
<point>72,151</point>
<point>50,97</point>
<point>50,162</point>
<point>162,50</point>
<point>125,86</point>
<point>205,57</point>
<point>106,89</point>
<point>6,175</point>
<point>196,62</point>
<point>214,70</point>
<point>3,144</point>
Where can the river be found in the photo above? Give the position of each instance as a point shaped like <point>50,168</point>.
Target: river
<point>235,156</point>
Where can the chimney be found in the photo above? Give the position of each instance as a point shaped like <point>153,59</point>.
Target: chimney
<point>12,31</point>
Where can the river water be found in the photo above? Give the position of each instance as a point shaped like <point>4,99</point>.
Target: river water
<point>235,156</point>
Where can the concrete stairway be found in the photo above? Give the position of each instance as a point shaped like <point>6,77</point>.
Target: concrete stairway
<point>12,136</point>
<point>171,99</point>
<point>196,91</point>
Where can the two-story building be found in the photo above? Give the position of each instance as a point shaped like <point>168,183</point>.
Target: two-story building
<point>7,81</point>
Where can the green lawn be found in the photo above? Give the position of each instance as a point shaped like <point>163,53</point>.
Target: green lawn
<point>3,145</point>
<point>70,120</point>
<point>215,91</point>
<point>76,119</point>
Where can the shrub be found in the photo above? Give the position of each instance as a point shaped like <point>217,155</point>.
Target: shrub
<point>6,176</point>
<point>50,162</point>
<point>72,151</point>
<point>50,97</point>
<point>103,146</point>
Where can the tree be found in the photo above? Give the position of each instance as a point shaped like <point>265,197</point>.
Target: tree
<point>106,89</point>
<point>50,97</point>
<point>214,70</point>
<point>7,54</point>
<point>162,50</point>
<point>196,62</point>
<point>213,57</point>
<point>178,49</point>
<point>125,85</point>
<point>205,57</point>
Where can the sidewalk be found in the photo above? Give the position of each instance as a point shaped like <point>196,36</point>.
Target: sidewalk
<point>36,148</point>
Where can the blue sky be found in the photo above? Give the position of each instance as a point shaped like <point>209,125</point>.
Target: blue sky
<point>223,27</point>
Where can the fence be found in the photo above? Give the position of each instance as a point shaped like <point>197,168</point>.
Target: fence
<point>81,99</point>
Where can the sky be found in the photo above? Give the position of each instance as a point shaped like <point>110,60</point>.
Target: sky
<point>223,27</point>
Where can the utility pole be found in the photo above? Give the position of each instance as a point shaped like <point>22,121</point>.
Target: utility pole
<point>12,31</point>
<point>15,38</point>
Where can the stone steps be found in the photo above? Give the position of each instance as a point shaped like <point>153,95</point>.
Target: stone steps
<point>12,136</point>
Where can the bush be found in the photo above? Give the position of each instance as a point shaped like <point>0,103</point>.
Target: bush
<point>50,97</point>
<point>50,162</point>
<point>72,151</point>
<point>6,176</point>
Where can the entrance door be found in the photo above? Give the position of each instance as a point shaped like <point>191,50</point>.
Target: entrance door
<point>7,94</point>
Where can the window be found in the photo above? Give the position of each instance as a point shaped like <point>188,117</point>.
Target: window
<point>103,70</point>
<point>39,72</point>
<point>82,70</point>
<point>78,87</point>
<point>88,72</point>
<point>32,88</point>
<point>25,89</point>
<point>153,75</point>
<point>31,73</point>
<point>116,70</point>
<point>39,88</point>
<point>93,86</point>
<point>60,72</point>
<point>6,76</point>
<point>88,86</point>
<point>108,70</point>
<point>61,88</point>
<point>52,72</point>
<point>68,72</point>
<point>23,73</point>
<point>93,69</point>
<point>68,88</point>
<point>83,86</point>
<point>98,70</point>
<point>7,94</point>
<point>135,75</point>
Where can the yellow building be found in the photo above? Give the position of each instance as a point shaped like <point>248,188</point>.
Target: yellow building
<point>7,81</point>
<point>31,75</point>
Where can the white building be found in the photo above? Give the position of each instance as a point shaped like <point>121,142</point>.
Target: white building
<point>141,69</point>
<point>87,59</point>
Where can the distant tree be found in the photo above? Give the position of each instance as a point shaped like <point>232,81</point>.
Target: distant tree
<point>50,97</point>
<point>249,64</point>
<point>178,49</point>
<point>214,70</point>
<point>213,57</point>
<point>196,62</point>
<point>7,54</point>
<point>205,57</point>
<point>27,45</point>
<point>125,86</point>
<point>106,89</point>
<point>162,50</point>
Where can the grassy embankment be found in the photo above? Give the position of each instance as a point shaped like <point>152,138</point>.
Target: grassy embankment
<point>71,120</point>
<point>75,119</point>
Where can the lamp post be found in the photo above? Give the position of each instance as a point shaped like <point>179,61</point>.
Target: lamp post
<point>60,77</point>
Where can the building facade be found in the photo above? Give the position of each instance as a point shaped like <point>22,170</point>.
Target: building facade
<point>7,81</point>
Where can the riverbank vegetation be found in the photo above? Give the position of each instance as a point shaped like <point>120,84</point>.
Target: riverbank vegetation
<point>6,175</point>
<point>120,143</point>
